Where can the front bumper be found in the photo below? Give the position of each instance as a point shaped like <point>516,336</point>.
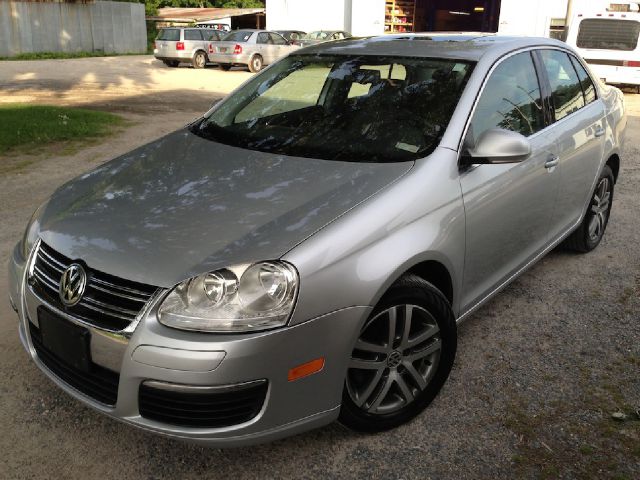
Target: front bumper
<point>212,360</point>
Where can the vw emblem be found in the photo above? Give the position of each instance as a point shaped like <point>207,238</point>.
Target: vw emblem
<point>72,284</point>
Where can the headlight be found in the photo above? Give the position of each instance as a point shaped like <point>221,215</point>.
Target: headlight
<point>242,298</point>
<point>31,232</point>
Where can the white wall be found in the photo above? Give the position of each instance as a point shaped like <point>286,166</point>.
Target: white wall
<point>360,17</point>
<point>367,17</point>
<point>307,15</point>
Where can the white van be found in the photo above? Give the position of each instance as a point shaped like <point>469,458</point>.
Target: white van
<point>608,42</point>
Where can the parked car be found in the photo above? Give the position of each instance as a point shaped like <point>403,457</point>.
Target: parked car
<point>253,48</point>
<point>304,251</point>
<point>292,36</point>
<point>175,45</point>
<point>320,36</point>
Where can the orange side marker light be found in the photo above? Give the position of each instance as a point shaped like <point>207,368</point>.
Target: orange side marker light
<point>306,369</point>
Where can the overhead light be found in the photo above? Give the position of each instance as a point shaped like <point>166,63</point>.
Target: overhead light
<point>478,9</point>
<point>459,13</point>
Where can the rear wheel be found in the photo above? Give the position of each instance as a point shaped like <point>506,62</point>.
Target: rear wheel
<point>255,64</point>
<point>225,66</point>
<point>199,60</point>
<point>171,63</point>
<point>401,359</point>
<point>590,232</point>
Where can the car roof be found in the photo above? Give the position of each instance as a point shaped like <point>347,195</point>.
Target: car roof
<point>463,46</point>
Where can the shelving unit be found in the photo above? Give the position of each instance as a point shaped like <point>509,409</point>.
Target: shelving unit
<point>399,16</point>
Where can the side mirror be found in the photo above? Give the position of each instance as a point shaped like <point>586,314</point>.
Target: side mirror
<point>498,146</point>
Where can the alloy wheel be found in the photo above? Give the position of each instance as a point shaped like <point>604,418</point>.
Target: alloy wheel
<point>394,359</point>
<point>599,209</point>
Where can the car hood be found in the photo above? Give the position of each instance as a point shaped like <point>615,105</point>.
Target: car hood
<point>183,205</point>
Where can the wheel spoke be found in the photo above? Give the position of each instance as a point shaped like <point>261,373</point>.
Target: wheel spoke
<point>421,382</point>
<point>362,397</point>
<point>393,318</point>
<point>423,336</point>
<point>408,314</point>
<point>382,394</point>
<point>404,388</point>
<point>432,348</point>
<point>370,347</point>
<point>593,225</point>
<point>360,364</point>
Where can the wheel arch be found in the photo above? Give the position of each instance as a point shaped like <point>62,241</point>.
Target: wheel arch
<point>614,163</point>
<point>434,269</point>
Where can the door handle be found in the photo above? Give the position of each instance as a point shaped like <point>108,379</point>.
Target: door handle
<point>552,162</point>
<point>599,131</point>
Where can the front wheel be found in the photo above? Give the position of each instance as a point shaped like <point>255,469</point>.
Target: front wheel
<point>590,232</point>
<point>255,64</point>
<point>402,357</point>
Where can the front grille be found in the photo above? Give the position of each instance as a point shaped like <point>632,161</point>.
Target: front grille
<point>208,409</point>
<point>108,302</point>
<point>100,383</point>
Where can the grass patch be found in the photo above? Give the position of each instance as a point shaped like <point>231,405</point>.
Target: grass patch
<point>63,55</point>
<point>33,129</point>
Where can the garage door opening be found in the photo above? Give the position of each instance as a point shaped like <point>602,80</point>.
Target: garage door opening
<point>441,15</point>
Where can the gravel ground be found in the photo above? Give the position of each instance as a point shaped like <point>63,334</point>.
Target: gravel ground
<point>540,368</point>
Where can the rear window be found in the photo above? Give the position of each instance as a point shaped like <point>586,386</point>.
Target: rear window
<point>608,34</point>
<point>170,34</point>
<point>238,36</point>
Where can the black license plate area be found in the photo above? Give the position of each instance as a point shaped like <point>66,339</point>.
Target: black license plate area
<point>67,341</point>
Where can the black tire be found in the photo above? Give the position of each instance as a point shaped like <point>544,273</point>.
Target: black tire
<point>583,239</point>
<point>199,60</point>
<point>413,291</point>
<point>171,63</point>
<point>255,64</point>
<point>224,66</point>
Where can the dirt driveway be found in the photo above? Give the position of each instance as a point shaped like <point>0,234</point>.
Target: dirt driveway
<point>539,371</point>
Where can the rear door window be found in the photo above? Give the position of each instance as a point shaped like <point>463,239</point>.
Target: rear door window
<point>192,35</point>
<point>608,34</point>
<point>277,39</point>
<point>566,91</point>
<point>211,35</point>
<point>588,88</point>
<point>169,34</point>
<point>238,36</point>
<point>511,99</point>
<point>263,37</point>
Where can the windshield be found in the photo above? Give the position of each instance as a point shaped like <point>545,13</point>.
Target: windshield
<point>238,36</point>
<point>366,109</point>
<point>608,34</point>
<point>316,35</point>
<point>170,34</point>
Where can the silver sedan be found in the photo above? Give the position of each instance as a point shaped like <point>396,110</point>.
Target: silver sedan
<point>253,48</point>
<point>306,250</point>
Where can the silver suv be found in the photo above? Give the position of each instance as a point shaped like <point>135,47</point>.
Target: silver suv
<point>305,251</point>
<point>175,45</point>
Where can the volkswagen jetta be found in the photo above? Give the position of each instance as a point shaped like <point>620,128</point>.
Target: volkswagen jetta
<point>304,251</point>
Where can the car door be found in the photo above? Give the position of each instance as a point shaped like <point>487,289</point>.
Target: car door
<point>578,129</point>
<point>193,40</point>
<point>508,207</point>
<point>264,48</point>
<point>281,46</point>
